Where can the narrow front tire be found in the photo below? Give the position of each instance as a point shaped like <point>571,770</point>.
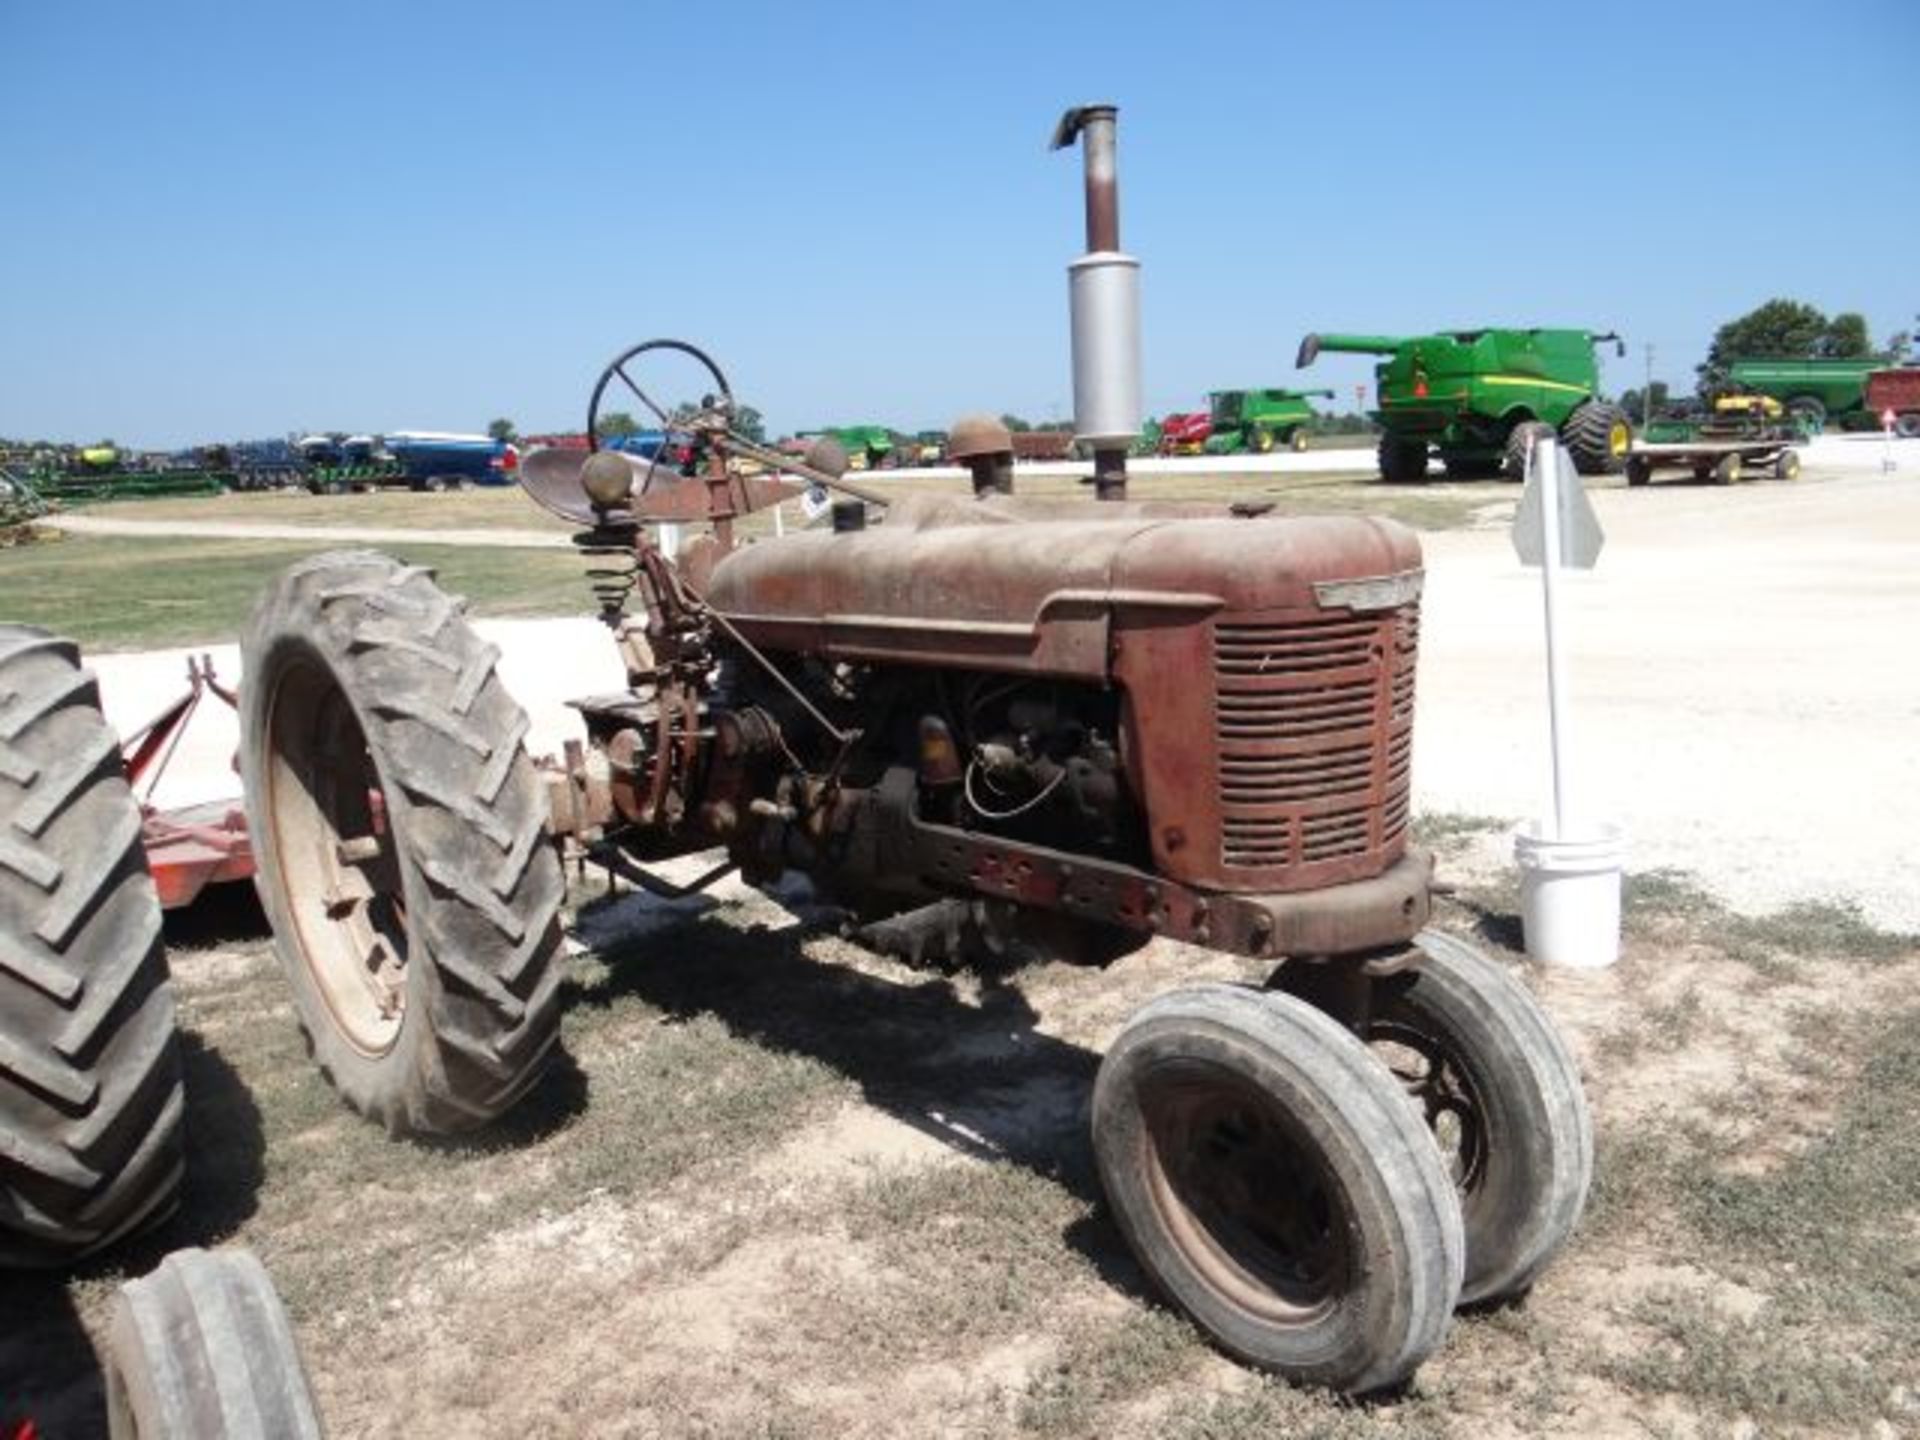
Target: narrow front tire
<point>1271,1178</point>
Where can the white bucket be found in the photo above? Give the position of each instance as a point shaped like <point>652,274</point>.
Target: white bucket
<point>1570,894</point>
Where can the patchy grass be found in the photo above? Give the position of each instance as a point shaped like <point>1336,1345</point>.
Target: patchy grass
<point>112,592</point>
<point>782,1187</point>
<point>1105,1365</point>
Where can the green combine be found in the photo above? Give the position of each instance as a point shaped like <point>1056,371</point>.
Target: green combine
<point>1255,421</point>
<point>1481,397</point>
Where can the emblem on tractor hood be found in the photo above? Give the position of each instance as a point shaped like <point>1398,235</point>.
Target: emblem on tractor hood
<point>1370,592</point>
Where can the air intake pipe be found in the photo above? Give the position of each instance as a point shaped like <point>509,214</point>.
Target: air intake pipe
<point>1103,291</point>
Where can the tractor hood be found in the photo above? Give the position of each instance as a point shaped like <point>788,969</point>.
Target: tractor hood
<point>1036,586</point>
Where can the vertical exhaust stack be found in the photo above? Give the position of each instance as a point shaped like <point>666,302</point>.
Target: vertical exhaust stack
<point>1103,291</point>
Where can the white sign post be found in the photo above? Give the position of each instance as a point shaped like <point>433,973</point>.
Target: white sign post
<point>1887,419</point>
<point>1555,526</point>
<point>1569,866</point>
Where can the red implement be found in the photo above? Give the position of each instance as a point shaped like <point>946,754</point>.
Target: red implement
<point>195,846</point>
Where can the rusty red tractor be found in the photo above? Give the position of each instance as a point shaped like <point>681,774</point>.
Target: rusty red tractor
<point>1096,722</point>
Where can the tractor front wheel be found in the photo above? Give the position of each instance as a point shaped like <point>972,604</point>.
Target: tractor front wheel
<point>1402,461</point>
<point>1502,1096</point>
<point>400,835</point>
<point>1271,1178</point>
<point>1598,436</point>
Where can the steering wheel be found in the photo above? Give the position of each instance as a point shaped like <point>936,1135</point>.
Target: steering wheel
<point>616,369</point>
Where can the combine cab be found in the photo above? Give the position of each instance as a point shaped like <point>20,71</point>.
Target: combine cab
<point>1481,397</point>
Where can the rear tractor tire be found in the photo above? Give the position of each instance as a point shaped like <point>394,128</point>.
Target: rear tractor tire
<point>1501,1094</point>
<point>1271,1178</point>
<point>1520,442</point>
<point>1402,461</point>
<point>1598,436</point>
<point>90,1092</point>
<point>399,831</point>
<point>201,1350</point>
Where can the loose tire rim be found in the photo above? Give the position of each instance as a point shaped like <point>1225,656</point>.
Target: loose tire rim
<point>1249,1204</point>
<point>338,861</point>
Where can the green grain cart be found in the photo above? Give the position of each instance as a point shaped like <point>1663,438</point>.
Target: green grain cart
<point>1480,397</point>
<point>1255,421</point>
<point>1814,390</point>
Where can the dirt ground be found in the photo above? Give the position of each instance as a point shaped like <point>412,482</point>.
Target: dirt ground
<point>780,1187</point>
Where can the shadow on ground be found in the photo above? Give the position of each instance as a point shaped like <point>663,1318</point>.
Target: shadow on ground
<point>974,1073</point>
<point>48,1370</point>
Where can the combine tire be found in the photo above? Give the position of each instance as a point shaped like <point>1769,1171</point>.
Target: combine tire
<point>1297,439</point>
<point>1260,440</point>
<point>1520,442</point>
<point>90,1097</point>
<point>1402,462</point>
<point>1598,436</point>
<point>1501,1095</point>
<point>201,1350</point>
<point>399,831</point>
<point>1907,425</point>
<point>1272,1179</point>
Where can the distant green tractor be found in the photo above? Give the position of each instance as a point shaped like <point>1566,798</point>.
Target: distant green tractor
<point>868,446</point>
<point>1257,420</point>
<point>1481,397</point>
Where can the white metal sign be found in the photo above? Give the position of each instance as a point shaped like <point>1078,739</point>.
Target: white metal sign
<point>1579,529</point>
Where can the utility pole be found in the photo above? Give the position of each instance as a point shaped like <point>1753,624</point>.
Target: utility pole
<point>1646,394</point>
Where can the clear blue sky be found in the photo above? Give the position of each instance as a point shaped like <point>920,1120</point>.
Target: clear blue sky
<point>228,220</point>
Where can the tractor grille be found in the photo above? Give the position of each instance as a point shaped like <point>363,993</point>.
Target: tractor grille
<point>1314,722</point>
